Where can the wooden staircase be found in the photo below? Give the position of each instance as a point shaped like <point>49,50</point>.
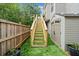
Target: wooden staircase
<point>38,33</point>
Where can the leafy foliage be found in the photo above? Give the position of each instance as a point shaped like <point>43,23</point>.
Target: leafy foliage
<point>19,12</point>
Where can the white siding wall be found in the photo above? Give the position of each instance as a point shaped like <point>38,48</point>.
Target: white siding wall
<point>53,30</point>
<point>49,28</point>
<point>52,12</point>
<point>48,10</point>
<point>69,25</point>
<point>62,32</point>
<point>67,8</point>
<point>60,8</point>
<point>59,29</point>
<point>57,33</point>
<point>72,30</point>
<point>72,7</point>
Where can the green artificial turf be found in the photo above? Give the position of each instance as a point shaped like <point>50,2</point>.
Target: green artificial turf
<point>50,50</point>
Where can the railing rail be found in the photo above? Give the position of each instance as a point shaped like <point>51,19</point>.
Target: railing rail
<point>44,23</point>
<point>44,30</point>
<point>33,24</point>
<point>33,27</point>
<point>12,35</point>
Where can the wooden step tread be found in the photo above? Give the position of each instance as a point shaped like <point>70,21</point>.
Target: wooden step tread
<point>39,27</point>
<point>38,37</point>
<point>38,45</point>
<point>38,40</point>
<point>39,32</point>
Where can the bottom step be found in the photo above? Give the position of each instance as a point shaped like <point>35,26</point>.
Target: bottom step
<point>39,45</point>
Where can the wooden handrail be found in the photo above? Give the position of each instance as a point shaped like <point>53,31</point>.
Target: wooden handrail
<point>33,24</point>
<point>33,27</point>
<point>44,30</point>
<point>44,23</point>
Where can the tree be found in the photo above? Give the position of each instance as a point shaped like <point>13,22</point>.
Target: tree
<point>19,12</point>
<point>29,10</point>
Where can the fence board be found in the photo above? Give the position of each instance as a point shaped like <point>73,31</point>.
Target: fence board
<point>0,49</point>
<point>8,35</point>
<point>12,35</point>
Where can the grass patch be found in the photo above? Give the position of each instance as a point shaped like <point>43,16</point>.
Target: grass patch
<point>50,50</point>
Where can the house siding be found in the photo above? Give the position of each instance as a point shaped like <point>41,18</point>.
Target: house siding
<point>71,30</point>
<point>68,13</point>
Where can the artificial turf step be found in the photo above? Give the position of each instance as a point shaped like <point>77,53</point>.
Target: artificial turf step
<point>39,38</point>
<point>38,32</point>
<point>38,43</point>
<point>36,46</point>
<point>40,35</point>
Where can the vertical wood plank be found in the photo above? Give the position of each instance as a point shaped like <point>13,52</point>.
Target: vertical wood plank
<point>0,49</point>
<point>0,38</point>
<point>20,32</point>
<point>12,40</point>
<point>15,34</point>
<point>0,30</point>
<point>3,32</point>
<point>8,35</point>
<point>11,35</point>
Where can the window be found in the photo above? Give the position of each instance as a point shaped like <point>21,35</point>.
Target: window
<point>57,21</point>
<point>54,32</point>
<point>52,22</point>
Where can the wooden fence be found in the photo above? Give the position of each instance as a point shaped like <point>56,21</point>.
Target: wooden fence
<point>12,35</point>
